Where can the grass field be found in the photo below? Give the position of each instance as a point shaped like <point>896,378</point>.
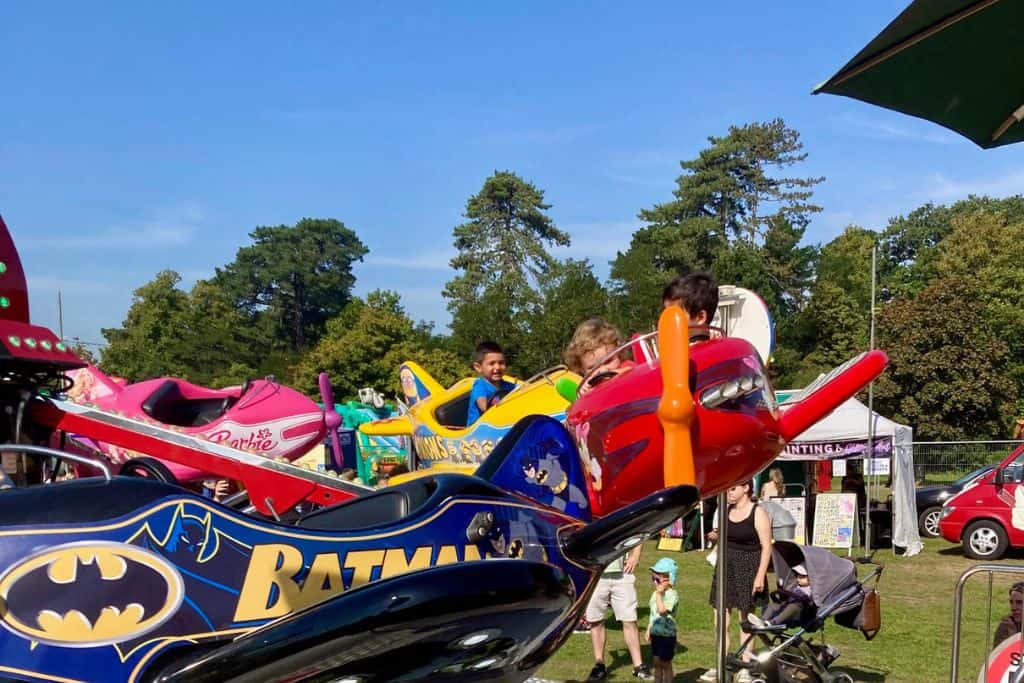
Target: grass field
<point>914,645</point>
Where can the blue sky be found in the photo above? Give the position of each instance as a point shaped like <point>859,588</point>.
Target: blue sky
<point>141,136</point>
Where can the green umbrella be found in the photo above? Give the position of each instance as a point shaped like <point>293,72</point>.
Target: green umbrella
<point>959,63</point>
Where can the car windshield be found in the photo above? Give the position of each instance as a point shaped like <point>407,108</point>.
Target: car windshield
<point>967,478</point>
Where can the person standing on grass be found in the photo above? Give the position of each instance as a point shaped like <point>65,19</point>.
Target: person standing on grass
<point>749,544</point>
<point>1011,623</point>
<point>661,630</point>
<point>616,588</point>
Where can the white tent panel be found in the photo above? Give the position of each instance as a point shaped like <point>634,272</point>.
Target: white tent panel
<point>849,422</point>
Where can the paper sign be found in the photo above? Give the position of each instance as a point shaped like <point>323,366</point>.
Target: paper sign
<point>796,506</point>
<point>879,466</point>
<point>668,543</point>
<point>835,519</point>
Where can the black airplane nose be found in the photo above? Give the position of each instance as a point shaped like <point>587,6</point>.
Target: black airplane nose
<point>607,538</point>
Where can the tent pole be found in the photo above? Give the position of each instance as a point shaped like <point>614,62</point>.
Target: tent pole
<point>870,454</point>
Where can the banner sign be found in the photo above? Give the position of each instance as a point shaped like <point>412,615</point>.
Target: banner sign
<point>832,450</point>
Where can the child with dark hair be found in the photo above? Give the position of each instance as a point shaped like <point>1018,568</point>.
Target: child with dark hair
<point>489,364</point>
<point>697,294</point>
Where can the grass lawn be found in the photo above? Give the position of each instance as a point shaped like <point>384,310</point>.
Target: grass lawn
<point>917,617</point>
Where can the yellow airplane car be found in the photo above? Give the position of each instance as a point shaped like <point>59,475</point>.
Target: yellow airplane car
<point>436,417</point>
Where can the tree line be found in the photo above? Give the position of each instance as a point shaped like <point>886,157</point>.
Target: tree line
<point>950,312</point>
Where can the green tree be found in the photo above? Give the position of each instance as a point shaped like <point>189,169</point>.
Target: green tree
<point>365,345</point>
<point>669,246</point>
<point>292,279</point>
<point>501,256</point>
<point>947,368</point>
<point>736,213</point>
<point>148,342</point>
<point>909,243</point>
<point>981,251</point>
<point>197,336</point>
<point>83,351</point>
<point>834,325</point>
<point>569,294</point>
<point>735,181</point>
<point>218,345</point>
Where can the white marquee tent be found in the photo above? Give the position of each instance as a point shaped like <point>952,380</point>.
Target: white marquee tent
<point>843,434</point>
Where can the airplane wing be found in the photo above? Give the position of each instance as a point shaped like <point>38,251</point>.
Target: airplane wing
<point>389,426</point>
<point>274,486</point>
<point>828,392</point>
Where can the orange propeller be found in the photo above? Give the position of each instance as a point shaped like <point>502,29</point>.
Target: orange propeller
<point>676,408</point>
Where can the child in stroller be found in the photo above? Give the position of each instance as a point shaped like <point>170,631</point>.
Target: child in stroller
<point>791,607</point>
<point>813,585</point>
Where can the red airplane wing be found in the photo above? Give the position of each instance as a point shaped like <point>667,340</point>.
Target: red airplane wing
<point>274,486</point>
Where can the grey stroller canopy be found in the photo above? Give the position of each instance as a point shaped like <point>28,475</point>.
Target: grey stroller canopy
<point>833,579</point>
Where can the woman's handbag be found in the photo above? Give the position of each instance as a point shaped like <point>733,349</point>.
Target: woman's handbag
<point>871,614</point>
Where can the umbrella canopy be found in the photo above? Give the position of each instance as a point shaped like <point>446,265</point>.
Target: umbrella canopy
<point>958,63</point>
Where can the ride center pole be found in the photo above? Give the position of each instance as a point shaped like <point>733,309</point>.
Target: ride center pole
<point>720,629</point>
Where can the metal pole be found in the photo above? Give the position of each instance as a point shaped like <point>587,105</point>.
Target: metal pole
<point>870,461</point>
<point>60,318</point>
<point>958,600</point>
<point>700,516</point>
<point>720,631</point>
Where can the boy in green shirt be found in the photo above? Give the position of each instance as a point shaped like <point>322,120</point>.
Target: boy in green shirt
<point>661,631</point>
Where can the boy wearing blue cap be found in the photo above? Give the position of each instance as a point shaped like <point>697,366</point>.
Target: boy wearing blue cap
<point>661,631</point>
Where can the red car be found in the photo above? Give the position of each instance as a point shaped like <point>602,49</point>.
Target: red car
<point>988,515</point>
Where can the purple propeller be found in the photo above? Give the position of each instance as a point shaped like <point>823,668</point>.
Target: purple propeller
<point>332,419</point>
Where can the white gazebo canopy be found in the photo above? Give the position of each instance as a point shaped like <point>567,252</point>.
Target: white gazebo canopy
<point>843,434</point>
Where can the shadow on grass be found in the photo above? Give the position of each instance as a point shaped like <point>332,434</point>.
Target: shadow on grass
<point>954,550</point>
<point>617,660</point>
<point>958,551</point>
<point>861,675</point>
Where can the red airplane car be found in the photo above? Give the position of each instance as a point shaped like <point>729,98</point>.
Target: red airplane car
<point>716,403</point>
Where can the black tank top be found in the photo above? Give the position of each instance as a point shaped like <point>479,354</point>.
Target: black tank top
<point>743,535</point>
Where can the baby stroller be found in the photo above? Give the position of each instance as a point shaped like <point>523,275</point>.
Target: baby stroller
<point>789,653</point>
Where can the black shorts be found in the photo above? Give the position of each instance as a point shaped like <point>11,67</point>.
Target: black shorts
<point>663,647</point>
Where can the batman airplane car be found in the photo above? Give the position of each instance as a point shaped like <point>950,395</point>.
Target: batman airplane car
<point>128,579</point>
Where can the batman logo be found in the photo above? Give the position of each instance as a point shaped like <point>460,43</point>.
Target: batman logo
<point>89,593</point>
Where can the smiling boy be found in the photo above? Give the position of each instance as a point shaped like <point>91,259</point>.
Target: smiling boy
<point>489,364</point>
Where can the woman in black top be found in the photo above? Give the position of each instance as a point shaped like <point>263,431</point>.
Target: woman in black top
<point>749,543</point>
